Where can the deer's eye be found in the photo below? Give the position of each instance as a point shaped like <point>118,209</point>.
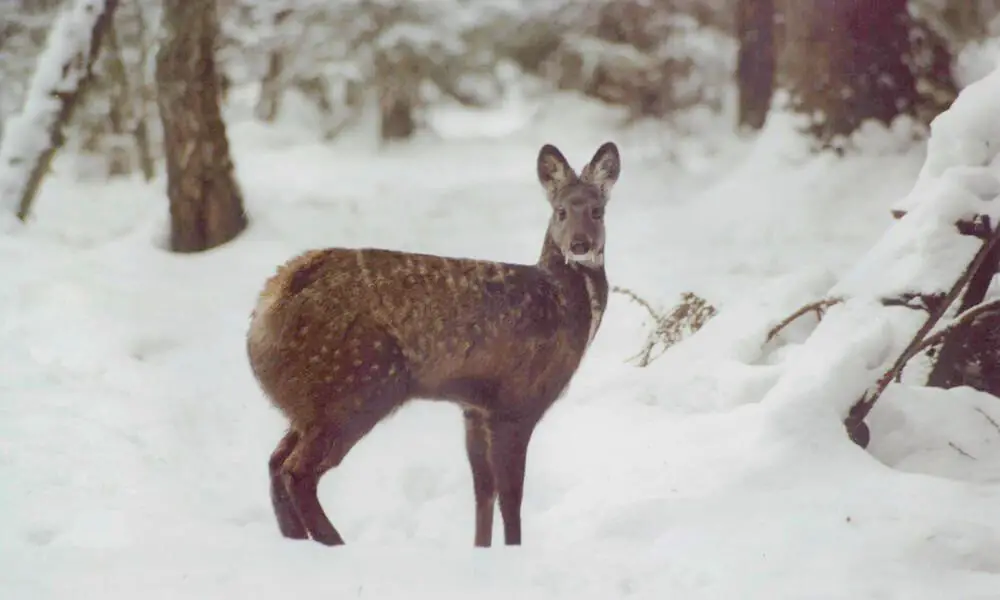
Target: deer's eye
<point>561,214</point>
<point>597,213</point>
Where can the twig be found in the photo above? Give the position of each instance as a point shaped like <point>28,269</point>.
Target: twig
<point>960,451</point>
<point>986,416</point>
<point>692,313</point>
<point>635,297</point>
<point>819,307</point>
<point>646,352</point>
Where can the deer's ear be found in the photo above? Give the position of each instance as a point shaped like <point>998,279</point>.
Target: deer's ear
<point>604,168</point>
<point>554,172</point>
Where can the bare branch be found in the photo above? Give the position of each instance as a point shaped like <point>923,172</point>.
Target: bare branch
<point>991,420</point>
<point>819,307</point>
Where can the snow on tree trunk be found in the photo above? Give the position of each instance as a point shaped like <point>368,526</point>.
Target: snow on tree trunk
<point>64,70</point>
<point>896,293</point>
<point>206,204</point>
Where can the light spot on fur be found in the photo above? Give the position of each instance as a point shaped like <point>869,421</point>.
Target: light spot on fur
<point>596,313</point>
<point>259,333</point>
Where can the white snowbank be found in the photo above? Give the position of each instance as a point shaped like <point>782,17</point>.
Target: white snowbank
<point>134,441</point>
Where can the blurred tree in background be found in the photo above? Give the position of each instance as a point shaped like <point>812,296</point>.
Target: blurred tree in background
<point>206,205</point>
<point>755,65</point>
<point>844,62</point>
<point>840,63</point>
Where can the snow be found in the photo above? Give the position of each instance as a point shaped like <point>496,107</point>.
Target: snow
<point>134,440</point>
<point>28,134</point>
<point>922,253</point>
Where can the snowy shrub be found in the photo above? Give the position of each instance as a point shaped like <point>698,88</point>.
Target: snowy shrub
<point>690,315</point>
<point>402,54</point>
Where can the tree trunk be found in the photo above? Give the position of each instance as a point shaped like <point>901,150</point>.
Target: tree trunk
<point>144,98</point>
<point>121,108</point>
<point>273,84</point>
<point>398,84</point>
<point>64,71</point>
<point>755,60</point>
<point>206,204</point>
<point>847,61</point>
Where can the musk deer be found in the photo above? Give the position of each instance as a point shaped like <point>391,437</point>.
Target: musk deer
<point>340,338</point>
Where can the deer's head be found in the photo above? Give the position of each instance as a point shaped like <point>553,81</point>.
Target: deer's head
<point>577,222</point>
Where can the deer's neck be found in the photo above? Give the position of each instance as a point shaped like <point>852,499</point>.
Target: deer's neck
<point>585,288</point>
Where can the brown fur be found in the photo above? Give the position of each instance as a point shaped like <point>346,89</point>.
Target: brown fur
<point>340,338</point>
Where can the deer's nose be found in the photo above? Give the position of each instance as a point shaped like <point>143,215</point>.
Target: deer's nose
<point>579,246</point>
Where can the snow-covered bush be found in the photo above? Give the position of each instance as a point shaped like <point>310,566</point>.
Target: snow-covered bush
<point>404,54</point>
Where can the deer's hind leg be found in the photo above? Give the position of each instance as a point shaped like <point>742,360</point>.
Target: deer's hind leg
<point>355,404</point>
<point>289,521</point>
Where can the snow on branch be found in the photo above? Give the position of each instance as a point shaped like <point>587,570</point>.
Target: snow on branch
<point>63,70</point>
<point>900,289</point>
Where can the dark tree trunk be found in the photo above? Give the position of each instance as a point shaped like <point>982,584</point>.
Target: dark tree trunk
<point>755,61</point>
<point>847,61</point>
<point>206,204</point>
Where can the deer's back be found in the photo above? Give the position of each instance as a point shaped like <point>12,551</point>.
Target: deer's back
<point>468,330</point>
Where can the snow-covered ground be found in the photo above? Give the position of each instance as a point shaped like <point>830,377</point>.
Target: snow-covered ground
<point>134,440</point>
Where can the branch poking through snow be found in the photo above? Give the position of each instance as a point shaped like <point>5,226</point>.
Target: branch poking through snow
<point>991,420</point>
<point>819,307</point>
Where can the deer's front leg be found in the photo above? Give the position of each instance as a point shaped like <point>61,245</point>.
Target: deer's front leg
<point>508,452</point>
<point>477,444</point>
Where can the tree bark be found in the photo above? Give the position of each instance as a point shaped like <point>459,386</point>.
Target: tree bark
<point>755,61</point>
<point>206,203</point>
<point>848,61</point>
<point>23,162</point>
<point>273,84</point>
<point>398,84</point>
